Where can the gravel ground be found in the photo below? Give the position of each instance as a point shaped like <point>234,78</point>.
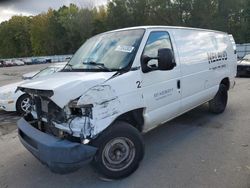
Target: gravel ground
<point>197,149</point>
<point>14,74</point>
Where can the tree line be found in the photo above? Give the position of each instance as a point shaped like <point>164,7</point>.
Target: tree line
<point>62,31</point>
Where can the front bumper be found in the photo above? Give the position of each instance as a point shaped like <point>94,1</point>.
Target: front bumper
<point>61,156</point>
<point>8,105</point>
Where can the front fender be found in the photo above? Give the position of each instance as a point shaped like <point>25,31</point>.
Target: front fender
<point>106,106</point>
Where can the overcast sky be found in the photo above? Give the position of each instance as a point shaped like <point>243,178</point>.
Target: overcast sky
<point>9,8</point>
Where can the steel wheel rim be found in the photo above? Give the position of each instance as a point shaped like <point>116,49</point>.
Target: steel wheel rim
<point>118,154</point>
<point>25,104</point>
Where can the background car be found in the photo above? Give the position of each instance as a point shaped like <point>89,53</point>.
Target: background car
<point>41,60</point>
<point>10,100</point>
<point>8,63</point>
<point>243,66</point>
<point>27,61</point>
<point>2,63</point>
<point>13,62</point>
<point>17,62</point>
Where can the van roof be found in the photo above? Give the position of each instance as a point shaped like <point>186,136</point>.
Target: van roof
<point>167,27</point>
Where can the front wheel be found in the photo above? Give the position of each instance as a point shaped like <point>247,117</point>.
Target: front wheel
<point>120,150</point>
<point>218,104</point>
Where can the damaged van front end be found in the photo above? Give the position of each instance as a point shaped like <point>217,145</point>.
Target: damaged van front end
<point>59,137</point>
<point>71,110</point>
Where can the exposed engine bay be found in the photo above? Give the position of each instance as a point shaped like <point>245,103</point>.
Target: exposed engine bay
<point>78,120</point>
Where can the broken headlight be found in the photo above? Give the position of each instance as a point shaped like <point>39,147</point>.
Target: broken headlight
<point>78,120</point>
<point>81,110</point>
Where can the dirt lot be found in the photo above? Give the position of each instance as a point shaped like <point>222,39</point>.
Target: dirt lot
<point>198,149</point>
<point>14,74</point>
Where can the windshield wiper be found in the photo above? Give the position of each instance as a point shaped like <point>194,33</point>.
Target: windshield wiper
<point>100,65</point>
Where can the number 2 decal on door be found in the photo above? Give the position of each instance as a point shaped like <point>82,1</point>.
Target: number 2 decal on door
<point>138,84</point>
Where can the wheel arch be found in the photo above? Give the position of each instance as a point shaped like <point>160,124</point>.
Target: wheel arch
<point>134,117</point>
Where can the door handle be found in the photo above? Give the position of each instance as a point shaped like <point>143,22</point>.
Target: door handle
<point>178,84</point>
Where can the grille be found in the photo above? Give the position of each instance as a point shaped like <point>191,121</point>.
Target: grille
<point>47,109</point>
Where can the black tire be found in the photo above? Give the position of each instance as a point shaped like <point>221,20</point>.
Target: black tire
<point>19,104</point>
<point>120,150</point>
<point>218,104</point>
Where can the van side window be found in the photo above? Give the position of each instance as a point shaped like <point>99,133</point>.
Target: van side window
<point>156,41</point>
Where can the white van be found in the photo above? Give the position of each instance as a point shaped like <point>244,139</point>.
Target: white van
<point>121,84</point>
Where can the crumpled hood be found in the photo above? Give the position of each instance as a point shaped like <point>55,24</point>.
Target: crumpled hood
<point>67,86</point>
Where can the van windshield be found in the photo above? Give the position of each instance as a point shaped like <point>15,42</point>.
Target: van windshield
<point>107,52</point>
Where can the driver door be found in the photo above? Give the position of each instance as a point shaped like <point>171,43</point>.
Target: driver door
<point>161,89</point>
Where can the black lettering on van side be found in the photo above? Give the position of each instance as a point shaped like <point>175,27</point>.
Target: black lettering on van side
<point>216,56</point>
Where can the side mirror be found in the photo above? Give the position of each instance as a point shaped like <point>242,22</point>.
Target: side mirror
<point>165,61</point>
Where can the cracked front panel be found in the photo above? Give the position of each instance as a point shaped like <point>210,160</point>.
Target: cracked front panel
<point>105,106</point>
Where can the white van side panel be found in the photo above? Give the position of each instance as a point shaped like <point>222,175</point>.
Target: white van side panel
<point>196,84</point>
<point>204,64</point>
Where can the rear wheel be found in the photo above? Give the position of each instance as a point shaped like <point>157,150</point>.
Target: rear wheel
<point>218,104</point>
<point>120,150</point>
<point>23,104</point>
